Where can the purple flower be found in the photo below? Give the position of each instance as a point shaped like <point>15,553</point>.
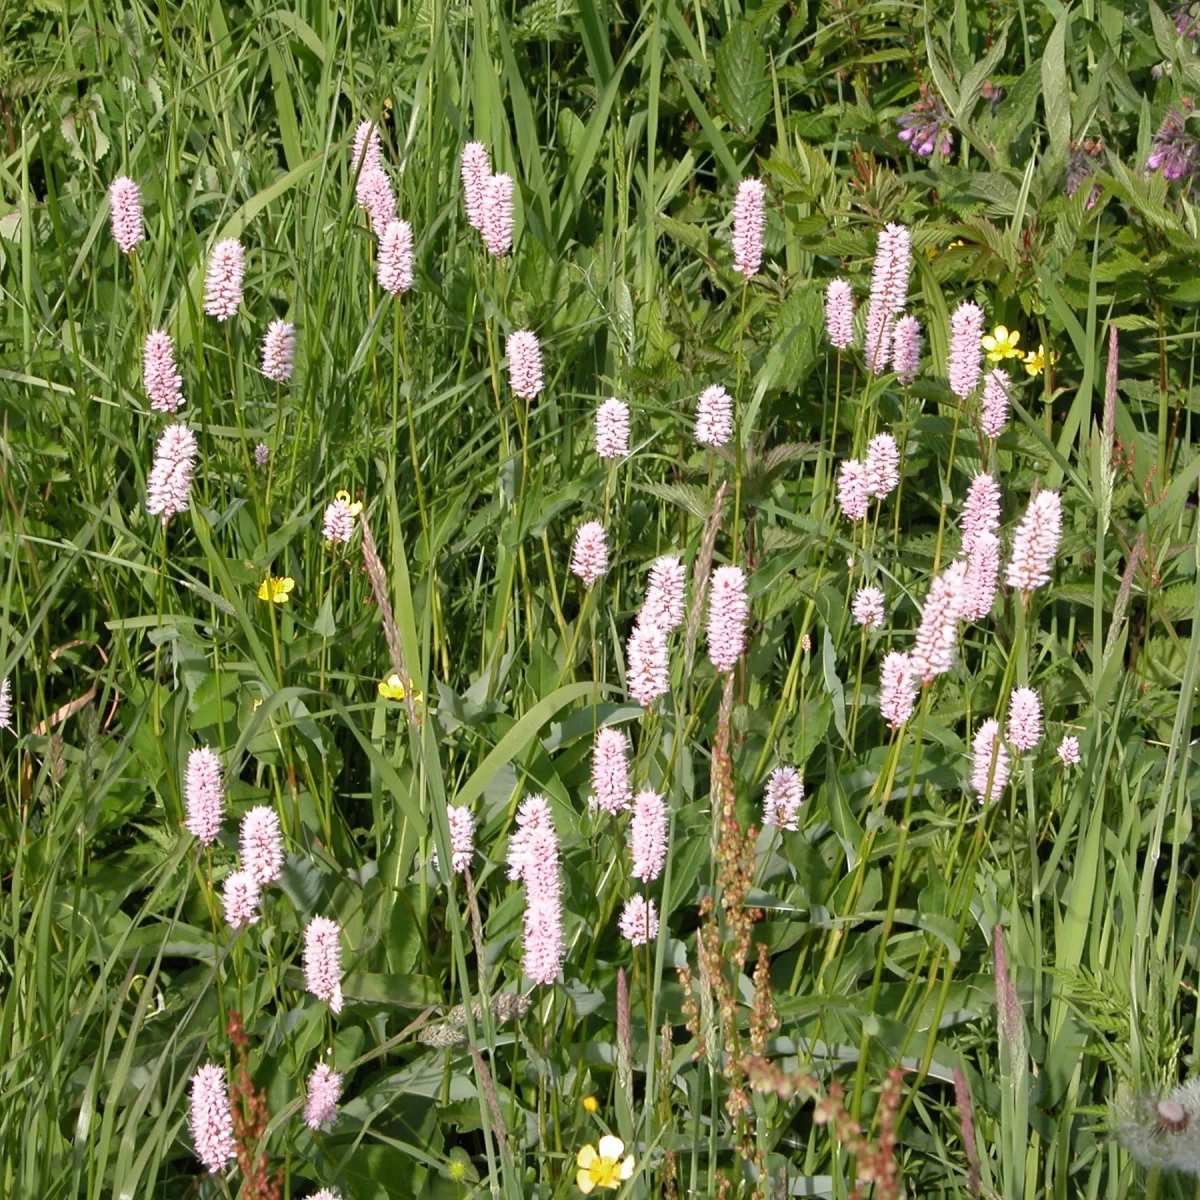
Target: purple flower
<point>543,934</point>
<point>395,268</point>
<point>223,281</point>
<point>714,416</point>
<point>926,126</point>
<point>965,362</point>
<point>1035,543</point>
<point>524,363</point>
<point>983,573</point>
<point>589,554</point>
<point>462,836</point>
<point>981,510</point>
<point>240,896</point>
<point>839,313</point>
<point>612,429</point>
<point>1175,151</point>
<point>867,608</point>
<point>748,222</point>
<point>498,214</point>
<point>261,844</point>
<point>989,762</point>
<point>906,349</point>
<point>665,594</point>
<point>610,772</point>
<point>883,465</point>
<point>889,291</point>
<point>937,635</point>
<point>897,685</point>
<point>993,414</point>
<point>646,663</point>
<point>375,198</point>
<point>476,169</point>
<point>1068,751</point>
<point>1025,718</point>
<point>854,489</point>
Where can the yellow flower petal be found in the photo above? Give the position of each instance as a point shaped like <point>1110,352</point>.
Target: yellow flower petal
<point>263,591</point>
<point>586,1156</point>
<point>611,1147</point>
<point>343,496</point>
<point>583,1181</point>
<point>355,508</point>
<point>627,1167</point>
<point>989,342</point>
<point>591,1104</point>
<point>1000,333</point>
<point>1014,338</point>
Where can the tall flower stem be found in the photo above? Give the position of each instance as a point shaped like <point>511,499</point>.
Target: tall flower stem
<point>739,410</point>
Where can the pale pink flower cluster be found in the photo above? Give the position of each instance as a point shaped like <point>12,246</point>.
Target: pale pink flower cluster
<point>1024,718</point>
<point>338,526</point>
<point>867,608</point>
<point>204,795</point>
<point>889,293</point>
<point>648,836</point>
<point>639,921</point>
<point>1068,751</point>
<point>965,362</point>
<point>1035,543</point>
<point>610,772</point>
<point>983,574</point>
<point>990,761</point>
<point>937,635</point>
<point>854,490</point>
<point>6,704</point>
<point>589,554</point>
<point>323,961</point>
<point>170,481</point>
<point>993,414</point>
<point>278,351</point>
<point>839,313</point>
<point>324,1090</point>
<point>125,213</point>
<point>728,616</point>
<point>262,844</point>
<point>211,1118</point>
<point>498,214</point>
<point>784,795</point>
<point>163,383</point>
<point>375,197</point>
<point>240,896</point>
<point>883,465</point>
<point>533,855</point>
<point>262,454</point>
<point>223,282</point>
<point>532,813</point>
<point>714,416</point>
<point>906,349</point>
<point>646,673</point>
<point>665,594</point>
<point>981,511</point>
<point>612,429</point>
<point>749,219</point>
<point>395,268</point>
<point>462,836</point>
<point>897,689</point>
<point>476,169</point>
<point>524,363</point>
<point>367,153</point>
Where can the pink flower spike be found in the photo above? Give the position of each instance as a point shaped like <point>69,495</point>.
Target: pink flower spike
<point>983,573</point>
<point>728,615</point>
<point>648,836</point>
<point>462,836</point>
<point>262,454</point>
<point>240,896</point>
<point>262,844</point>
<point>867,608</point>
<point>367,154</point>
<point>325,1194</point>
<point>589,555</point>
<point>533,813</point>
<point>164,385</point>
<point>784,795</point>
<point>125,213</point>
<point>476,169</point>
<point>665,594</point>
<point>981,510</point>
<point>612,429</point>
<point>889,293</point>
<point>204,795</point>
<point>323,961</point>
<point>223,281</point>
<point>6,704</point>
<point>211,1118</point>
<point>882,465</point>
<point>897,689</point>
<point>906,349</point>
<point>169,483</point>
<point>993,414</point>
<point>714,417</point>
<point>1035,543</point>
<point>839,313</point>
<point>324,1091</point>
<point>1068,751</point>
<point>988,750</point>
<point>375,198</point>
<point>965,362</point>
<point>498,214</point>
<point>543,936</point>
<point>937,636</point>
<point>611,792</point>
<point>639,921</point>
<point>749,219</point>
<point>395,267</point>
<point>340,518</point>
<point>854,489</point>
<point>524,363</point>
<point>278,351</point>
<point>646,674</point>
<point>1024,719</point>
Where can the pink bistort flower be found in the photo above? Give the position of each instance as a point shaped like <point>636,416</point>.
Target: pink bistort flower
<point>1024,718</point>
<point>993,414</point>
<point>906,349</point>
<point>262,454</point>
<point>324,1090</point>
<point>223,281</point>
<point>240,896</point>
<point>983,573</point>
<point>395,268</point>
<point>646,673</point>
<point>1068,751</point>
<point>648,836</point>
<point>854,489</point>
<point>543,935</point>
<point>164,385</point>
<point>839,313</point>
<point>278,351</point>
<point>784,795</point>
<point>262,844</point>
<point>323,961</point>
<point>204,795</point>
<point>125,213</point>
<point>462,836</point>
<point>981,510</point>
<point>476,169</point>
<point>665,594</point>
<point>524,363</point>
<point>532,813</point>
<point>990,761</point>
<point>639,921</point>
<point>937,635</point>
<point>889,292</point>
<point>498,214</point>
<point>748,222</point>
<point>211,1118</point>
<point>612,429</point>
<point>376,199</point>
<point>714,416</point>
<point>367,153</point>
<point>1035,543</point>
<point>589,554</point>
<point>897,689</point>
<point>610,772</point>
<point>867,608</point>
<point>728,615</point>
<point>169,483</point>
<point>883,465</point>
<point>6,704</point>
<point>340,517</point>
<point>965,362</point>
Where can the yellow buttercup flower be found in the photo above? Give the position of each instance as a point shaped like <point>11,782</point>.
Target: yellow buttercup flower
<point>392,688</point>
<point>1001,344</point>
<point>276,589</point>
<point>1035,360</point>
<point>603,1167</point>
<point>353,509</point>
<point>591,1104</point>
